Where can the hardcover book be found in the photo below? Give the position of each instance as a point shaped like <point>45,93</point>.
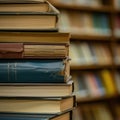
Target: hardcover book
<point>24,6</point>
<point>34,71</point>
<point>35,37</point>
<point>32,50</point>
<point>30,21</point>
<point>61,116</point>
<point>36,105</point>
<point>36,90</point>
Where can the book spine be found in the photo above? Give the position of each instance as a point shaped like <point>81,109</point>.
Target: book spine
<point>32,71</point>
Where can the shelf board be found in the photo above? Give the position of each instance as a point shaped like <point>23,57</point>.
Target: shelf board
<point>117,65</point>
<point>95,99</point>
<point>90,37</point>
<point>82,8</point>
<point>117,10</point>
<point>89,67</point>
<point>117,38</point>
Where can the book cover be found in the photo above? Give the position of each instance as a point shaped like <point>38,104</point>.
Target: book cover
<point>38,21</point>
<point>35,37</point>
<point>36,105</point>
<point>32,50</point>
<point>36,89</point>
<point>34,71</point>
<point>24,6</point>
<point>61,116</point>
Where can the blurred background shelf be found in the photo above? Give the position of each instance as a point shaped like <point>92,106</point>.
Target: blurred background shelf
<point>95,52</point>
<point>90,37</point>
<point>90,67</point>
<point>83,8</point>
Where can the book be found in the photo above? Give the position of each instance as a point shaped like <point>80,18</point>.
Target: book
<point>34,71</point>
<point>45,51</point>
<point>99,52</point>
<point>86,3</point>
<point>74,55</point>
<point>62,116</point>
<point>80,88</point>
<point>24,6</point>
<point>35,37</point>
<point>116,51</point>
<point>92,85</point>
<point>105,25</point>
<point>31,50</point>
<point>86,53</point>
<point>117,4</point>
<point>108,82</point>
<point>117,26</point>
<point>11,50</point>
<point>64,22</point>
<point>36,90</point>
<point>38,21</point>
<point>36,105</point>
<point>100,85</point>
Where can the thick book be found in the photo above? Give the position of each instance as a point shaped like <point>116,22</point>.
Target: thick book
<point>36,105</point>
<point>24,6</point>
<point>36,90</point>
<point>61,116</point>
<point>108,81</point>
<point>34,71</point>
<point>11,50</point>
<point>30,21</point>
<point>32,50</point>
<point>35,37</point>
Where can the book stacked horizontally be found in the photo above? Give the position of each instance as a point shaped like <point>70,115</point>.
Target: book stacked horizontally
<point>35,81</point>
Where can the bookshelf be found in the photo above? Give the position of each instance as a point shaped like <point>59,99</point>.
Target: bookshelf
<point>79,18</point>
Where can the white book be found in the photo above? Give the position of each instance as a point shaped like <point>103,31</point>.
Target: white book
<point>74,55</point>
<point>86,52</point>
<point>81,2</point>
<point>95,3</point>
<point>64,22</point>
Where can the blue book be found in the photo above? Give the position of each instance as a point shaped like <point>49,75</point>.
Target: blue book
<point>33,71</point>
<point>62,116</point>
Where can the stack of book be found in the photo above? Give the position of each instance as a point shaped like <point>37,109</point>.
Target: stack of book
<point>35,80</point>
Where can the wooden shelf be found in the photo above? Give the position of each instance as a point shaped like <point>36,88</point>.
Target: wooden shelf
<point>117,65</point>
<point>90,37</point>
<point>117,10</point>
<point>95,99</point>
<point>83,8</point>
<point>90,67</point>
<point>117,38</point>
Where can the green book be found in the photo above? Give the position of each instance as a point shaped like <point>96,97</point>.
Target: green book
<point>62,116</point>
<point>33,71</point>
